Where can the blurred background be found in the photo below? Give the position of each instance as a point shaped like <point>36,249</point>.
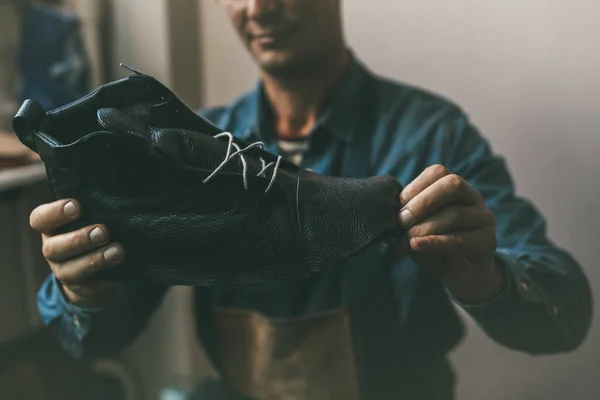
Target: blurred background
<point>527,72</point>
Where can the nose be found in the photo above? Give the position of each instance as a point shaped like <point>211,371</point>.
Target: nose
<point>258,7</point>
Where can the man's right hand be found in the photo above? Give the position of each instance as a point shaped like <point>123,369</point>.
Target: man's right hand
<point>75,257</point>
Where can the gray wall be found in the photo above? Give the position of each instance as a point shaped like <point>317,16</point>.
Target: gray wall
<point>528,74</point>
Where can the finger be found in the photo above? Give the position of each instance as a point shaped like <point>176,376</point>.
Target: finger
<point>427,178</point>
<point>450,189</point>
<point>476,242</point>
<point>61,248</point>
<point>83,269</point>
<point>453,218</point>
<point>47,217</point>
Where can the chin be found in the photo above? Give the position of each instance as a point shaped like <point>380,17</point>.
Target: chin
<point>273,57</point>
<point>281,63</point>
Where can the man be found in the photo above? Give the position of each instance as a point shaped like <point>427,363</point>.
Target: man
<point>380,325</point>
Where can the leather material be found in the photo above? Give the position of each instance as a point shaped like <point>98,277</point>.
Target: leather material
<point>301,358</point>
<point>138,160</point>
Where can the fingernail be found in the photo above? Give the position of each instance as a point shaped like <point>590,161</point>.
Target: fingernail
<point>113,254</point>
<point>97,235</point>
<point>406,218</point>
<point>70,209</point>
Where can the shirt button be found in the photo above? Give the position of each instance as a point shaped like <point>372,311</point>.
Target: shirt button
<point>76,321</point>
<point>555,310</point>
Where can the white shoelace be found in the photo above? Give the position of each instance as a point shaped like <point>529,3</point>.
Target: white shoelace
<point>240,152</point>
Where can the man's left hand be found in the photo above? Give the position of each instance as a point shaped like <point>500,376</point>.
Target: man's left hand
<point>451,234</point>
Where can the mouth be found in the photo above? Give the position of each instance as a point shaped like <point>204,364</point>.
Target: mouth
<point>271,38</point>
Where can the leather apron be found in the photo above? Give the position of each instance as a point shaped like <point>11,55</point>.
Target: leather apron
<point>301,358</point>
<point>321,355</point>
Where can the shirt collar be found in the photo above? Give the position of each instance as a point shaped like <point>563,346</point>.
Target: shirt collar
<point>340,117</point>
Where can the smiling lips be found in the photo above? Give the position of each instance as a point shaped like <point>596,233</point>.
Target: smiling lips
<point>270,37</point>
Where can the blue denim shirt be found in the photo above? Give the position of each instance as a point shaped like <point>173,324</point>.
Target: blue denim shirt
<point>403,321</point>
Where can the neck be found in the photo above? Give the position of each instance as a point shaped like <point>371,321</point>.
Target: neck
<point>297,102</point>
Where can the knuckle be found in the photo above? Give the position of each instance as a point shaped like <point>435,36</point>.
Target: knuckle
<point>79,240</point>
<point>59,273</point>
<point>93,262</point>
<point>455,181</point>
<point>424,203</point>
<point>47,249</point>
<point>439,170</point>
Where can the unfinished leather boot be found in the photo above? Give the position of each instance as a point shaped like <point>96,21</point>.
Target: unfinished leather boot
<point>191,204</point>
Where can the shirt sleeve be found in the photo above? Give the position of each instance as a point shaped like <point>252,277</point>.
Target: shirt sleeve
<point>88,331</point>
<point>545,306</point>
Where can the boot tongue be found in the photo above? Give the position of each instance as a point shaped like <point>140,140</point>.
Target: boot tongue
<point>189,148</point>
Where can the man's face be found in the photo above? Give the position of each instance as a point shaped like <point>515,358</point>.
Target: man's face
<point>287,36</point>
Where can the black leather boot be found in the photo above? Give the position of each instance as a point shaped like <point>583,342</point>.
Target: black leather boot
<point>193,205</point>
